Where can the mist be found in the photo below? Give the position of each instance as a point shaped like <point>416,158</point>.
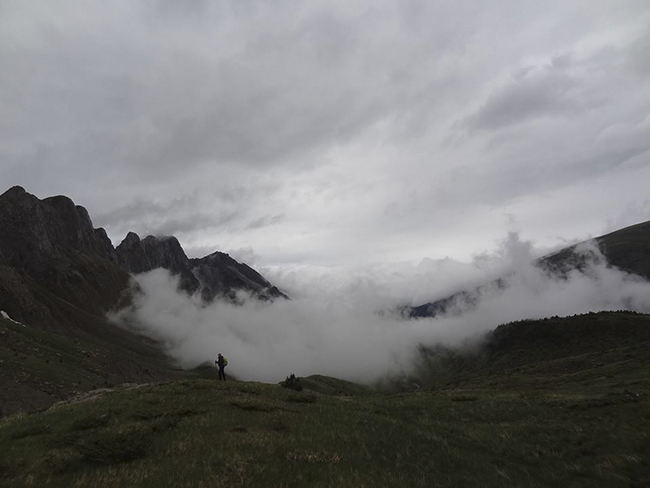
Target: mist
<point>351,327</point>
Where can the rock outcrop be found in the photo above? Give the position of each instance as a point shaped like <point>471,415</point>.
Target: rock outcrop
<point>139,256</point>
<point>33,229</point>
<point>50,248</point>
<point>220,275</point>
<point>51,254</point>
<point>214,276</point>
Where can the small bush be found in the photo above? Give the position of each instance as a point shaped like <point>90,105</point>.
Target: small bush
<point>292,382</point>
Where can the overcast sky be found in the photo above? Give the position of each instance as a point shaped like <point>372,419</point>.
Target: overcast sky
<point>332,134</point>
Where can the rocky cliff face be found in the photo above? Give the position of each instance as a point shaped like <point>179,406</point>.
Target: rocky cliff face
<point>50,252</point>
<point>214,276</point>
<point>150,253</point>
<point>33,228</point>
<point>140,256</point>
<point>220,275</point>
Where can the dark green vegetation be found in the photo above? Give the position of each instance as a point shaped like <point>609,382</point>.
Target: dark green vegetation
<point>562,402</point>
<point>543,353</point>
<point>38,367</point>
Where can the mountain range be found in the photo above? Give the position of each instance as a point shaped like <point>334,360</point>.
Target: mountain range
<point>60,277</point>
<point>50,247</point>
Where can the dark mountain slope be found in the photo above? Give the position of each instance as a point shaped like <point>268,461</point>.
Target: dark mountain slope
<point>221,275</point>
<point>50,246</point>
<point>546,352</point>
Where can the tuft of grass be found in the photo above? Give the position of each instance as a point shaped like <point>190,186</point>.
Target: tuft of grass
<point>464,398</point>
<point>251,406</point>
<point>115,447</point>
<point>302,398</point>
<point>280,425</point>
<point>29,431</point>
<point>63,439</point>
<point>61,461</point>
<point>93,421</point>
<point>202,433</point>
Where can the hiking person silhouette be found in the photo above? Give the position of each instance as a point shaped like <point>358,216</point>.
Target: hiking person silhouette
<point>221,362</point>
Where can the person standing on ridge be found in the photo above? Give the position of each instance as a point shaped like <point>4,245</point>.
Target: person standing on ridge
<point>221,363</point>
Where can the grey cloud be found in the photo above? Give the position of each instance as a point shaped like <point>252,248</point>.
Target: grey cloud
<point>299,125</point>
<point>266,221</point>
<point>170,218</point>
<point>335,330</point>
<point>171,97</point>
<point>549,91</point>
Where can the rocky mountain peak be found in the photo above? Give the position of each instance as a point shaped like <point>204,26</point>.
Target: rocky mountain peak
<point>139,256</point>
<point>14,192</point>
<point>34,229</point>
<point>52,243</point>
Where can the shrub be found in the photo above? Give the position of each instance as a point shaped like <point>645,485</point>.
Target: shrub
<point>292,382</point>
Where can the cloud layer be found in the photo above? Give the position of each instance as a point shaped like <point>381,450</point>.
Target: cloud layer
<point>346,329</point>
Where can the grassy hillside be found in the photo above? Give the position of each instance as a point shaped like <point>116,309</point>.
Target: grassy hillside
<point>203,433</point>
<point>38,367</point>
<point>529,354</point>
<point>529,419</point>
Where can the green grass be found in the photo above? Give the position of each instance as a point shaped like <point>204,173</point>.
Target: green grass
<point>207,433</point>
<point>555,403</point>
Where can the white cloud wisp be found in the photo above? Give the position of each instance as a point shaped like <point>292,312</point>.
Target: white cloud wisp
<point>318,332</point>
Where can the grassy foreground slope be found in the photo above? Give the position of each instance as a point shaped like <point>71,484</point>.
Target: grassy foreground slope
<point>193,433</point>
<point>551,403</point>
